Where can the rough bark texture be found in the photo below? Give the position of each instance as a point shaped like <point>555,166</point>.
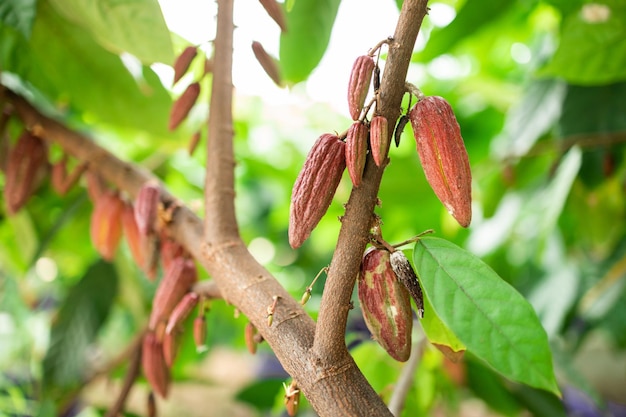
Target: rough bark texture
<point>316,356</point>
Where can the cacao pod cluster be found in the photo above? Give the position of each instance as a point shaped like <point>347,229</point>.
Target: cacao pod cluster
<point>386,283</point>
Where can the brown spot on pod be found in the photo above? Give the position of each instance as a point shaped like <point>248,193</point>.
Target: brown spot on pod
<point>154,367</point>
<point>356,151</point>
<point>443,156</point>
<point>359,84</point>
<point>379,139</point>
<point>315,187</point>
<point>385,304</point>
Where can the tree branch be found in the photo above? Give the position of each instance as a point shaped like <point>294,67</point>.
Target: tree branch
<point>329,343</point>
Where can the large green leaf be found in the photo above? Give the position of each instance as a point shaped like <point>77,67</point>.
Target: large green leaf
<point>488,315</point>
<point>64,62</point>
<point>82,314</point>
<point>134,26</point>
<point>592,50</point>
<point>474,15</point>
<point>309,24</point>
<point>18,14</point>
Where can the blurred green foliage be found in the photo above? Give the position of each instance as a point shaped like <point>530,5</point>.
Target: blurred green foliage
<point>538,89</point>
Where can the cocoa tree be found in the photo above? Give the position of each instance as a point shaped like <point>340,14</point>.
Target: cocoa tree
<point>457,286</point>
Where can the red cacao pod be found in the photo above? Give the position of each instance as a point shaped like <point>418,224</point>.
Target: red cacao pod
<point>183,61</point>
<point>385,304</point>
<point>443,156</point>
<point>177,281</point>
<point>356,151</point>
<point>315,186</point>
<point>183,105</point>
<point>147,207</point>
<point>154,366</point>
<point>359,84</point>
<point>379,138</point>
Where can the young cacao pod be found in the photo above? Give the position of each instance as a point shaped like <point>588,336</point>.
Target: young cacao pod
<point>177,281</point>
<point>182,106</point>
<point>154,366</point>
<point>106,224</point>
<point>443,156</point>
<point>184,61</point>
<point>385,304</point>
<point>356,151</point>
<point>315,186</point>
<point>359,84</point>
<point>379,138</point>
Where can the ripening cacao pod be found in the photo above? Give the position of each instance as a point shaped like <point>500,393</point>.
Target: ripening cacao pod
<point>379,138</point>
<point>154,366</point>
<point>315,186</point>
<point>147,207</point>
<point>183,105</point>
<point>106,224</point>
<point>359,84</point>
<point>26,167</point>
<point>182,63</point>
<point>177,281</point>
<point>405,273</point>
<point>356,151</point>
<point>443,156</point>
<point>385,304</point>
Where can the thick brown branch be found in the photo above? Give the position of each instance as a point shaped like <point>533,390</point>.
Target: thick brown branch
<point>329,343</point>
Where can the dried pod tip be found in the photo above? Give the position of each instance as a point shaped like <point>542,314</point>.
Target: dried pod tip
<point>443,156</point>
<point>356,151</point>
<point>385,304</point>
<point>405,273</point>
<point>359,84</point>
<point>315,187</point>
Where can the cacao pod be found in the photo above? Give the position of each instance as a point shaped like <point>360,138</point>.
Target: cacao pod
<point>405,273</point>
<point>443,156</point>
<point>199,332</point>
<point>147,207</point>
<point>153,363</point>
<point>177,281</point>
<point>269,64</point>
<point>182,63</point>
<point>379,139</point>
<point>250,333</point>
<point>131,231</point>
<point>170,250</point>
<point>181,311</point>
<point>26,167</point>
<point>315,186</point>
<point>356,151</point>
<point>275,11</point>
<point>385,304</point>
<point>183,105</point>
<point>359,84</point>
<point>106,224</point>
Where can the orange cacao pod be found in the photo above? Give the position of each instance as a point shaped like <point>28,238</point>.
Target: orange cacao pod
<point>183,61</point>
<point>443,156</point>
<point>106,224</point>
<point>359,84</point>
<point>183,105</point>
<point>379,139</point>
<point>356,151</point>
<point>154,366</point>
<point>177,281</point>
<point>26,167</point>
<point>385,304</point>
<point>315,186</point>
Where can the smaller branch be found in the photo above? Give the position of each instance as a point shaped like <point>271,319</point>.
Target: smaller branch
<point>396,403</point>
<point>129,381</point>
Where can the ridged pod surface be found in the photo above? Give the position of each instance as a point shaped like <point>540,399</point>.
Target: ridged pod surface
<point>315,187</point>
<point>443,155</point>
<point>379,138</point>
<point>359,84</point>
<point>356,151</point>
<point>385,304</point>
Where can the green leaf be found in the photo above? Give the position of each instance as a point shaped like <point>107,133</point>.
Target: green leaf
<point>309,24</point>
<point>474,15</point>
<point>133,26</point>
<point>82,314</point>
<point>488,315</point>
<point>260,394</point>
<point>437,332</point>
<point>592,50</point>
<point>70,68</point>
<point>19,14</point>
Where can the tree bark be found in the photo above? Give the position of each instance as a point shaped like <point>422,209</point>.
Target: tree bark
<point>315,356</point>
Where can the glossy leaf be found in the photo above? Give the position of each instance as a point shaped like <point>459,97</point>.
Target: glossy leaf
<point>18,14</point>
<point>133,26</point>
<point>592,49</point>
<point>438,333</point>
<point>309,24</point>
<point>488,315</point>
<point>82,314</point>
